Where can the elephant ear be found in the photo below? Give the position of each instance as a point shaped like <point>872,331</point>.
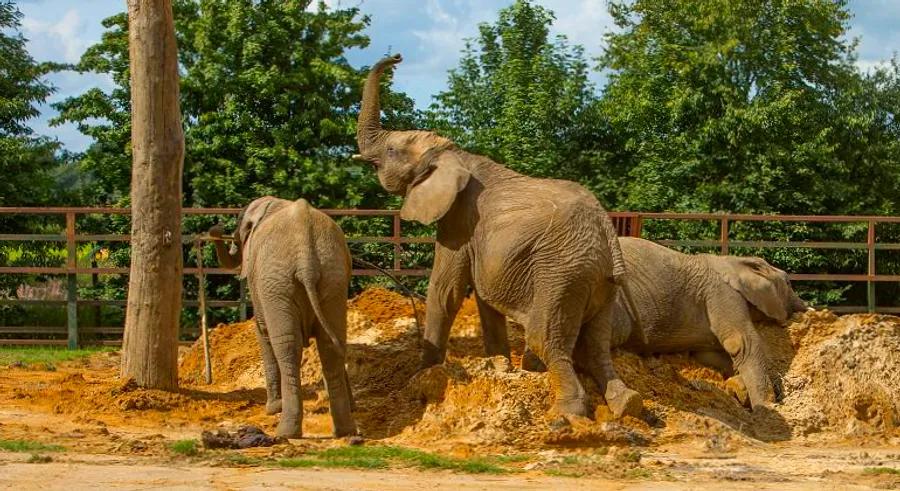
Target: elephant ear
<point>431,197</point>
<point>250,219</point>
<point>756,280</point>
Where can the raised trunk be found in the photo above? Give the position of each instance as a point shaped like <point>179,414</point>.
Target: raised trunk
<point>226,259</point>
<point>369,123</point>
<point>150,347</point>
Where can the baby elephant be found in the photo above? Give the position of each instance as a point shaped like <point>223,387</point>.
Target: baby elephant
<point>297,264</point>
<point>704,304</point>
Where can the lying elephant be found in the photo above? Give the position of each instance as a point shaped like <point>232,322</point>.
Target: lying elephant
<point>297,264</point>
<point>703,304</point>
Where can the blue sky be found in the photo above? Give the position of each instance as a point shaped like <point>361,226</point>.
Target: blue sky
<point>429,33</point>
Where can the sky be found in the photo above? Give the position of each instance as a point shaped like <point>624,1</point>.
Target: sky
<point>429,33</point>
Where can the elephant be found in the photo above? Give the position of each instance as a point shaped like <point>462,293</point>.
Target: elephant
<point>704,304</point>
<point>297,266</point>
<point>542,251</point>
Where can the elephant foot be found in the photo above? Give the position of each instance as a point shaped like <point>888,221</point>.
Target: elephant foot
<point>346,430</point>
<point>273,406</point>
<point>288,429</point>
<point>560,423</point>
<point>736,388</point>
<point>531,362</point>
<point>623,401</point>
<point>431,356</point>
<point>571,407</point>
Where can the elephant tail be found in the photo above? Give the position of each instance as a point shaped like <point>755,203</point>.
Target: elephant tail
<point>308,273</point>
<point>612,241</point>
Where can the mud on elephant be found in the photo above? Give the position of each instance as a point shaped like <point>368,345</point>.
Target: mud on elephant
<point>541,251</point>
<point>298,269</point>
<point>703,304</point>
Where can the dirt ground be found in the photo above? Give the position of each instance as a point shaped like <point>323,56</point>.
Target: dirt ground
<point>838,425</point>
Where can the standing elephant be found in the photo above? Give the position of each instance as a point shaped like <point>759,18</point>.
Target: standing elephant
<point>297,264</point>
<point>541,251</point>
<point>704,304</point>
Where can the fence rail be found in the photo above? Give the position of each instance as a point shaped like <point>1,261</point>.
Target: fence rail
<point>626,223</point>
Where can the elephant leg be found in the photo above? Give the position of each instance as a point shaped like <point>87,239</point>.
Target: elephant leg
<point>270,366</point>
<point>552,333</point>
<point>493,329</point>
<point>716,359</point>
<point>446,292</point>
<point>593,354</point>
<point>283,322</point>
<point>334,371</point>
<point>731,324</point>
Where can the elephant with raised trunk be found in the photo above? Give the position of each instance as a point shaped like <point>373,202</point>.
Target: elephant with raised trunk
<point>297,265</point>
<point>703,304</point>
<point>541,251</point>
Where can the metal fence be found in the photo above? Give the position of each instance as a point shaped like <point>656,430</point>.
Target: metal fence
<point>627,224</point>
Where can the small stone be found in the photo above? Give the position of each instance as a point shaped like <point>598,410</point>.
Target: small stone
<point>356,440</point>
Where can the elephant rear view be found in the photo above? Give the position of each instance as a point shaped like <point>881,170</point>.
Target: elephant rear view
<point>297,265</point>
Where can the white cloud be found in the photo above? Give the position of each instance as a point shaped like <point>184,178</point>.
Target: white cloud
<point>60,40</point>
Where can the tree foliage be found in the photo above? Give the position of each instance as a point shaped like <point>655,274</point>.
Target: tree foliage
<point>268,97</point>
<point>519,96</point>
<point>745,106</point>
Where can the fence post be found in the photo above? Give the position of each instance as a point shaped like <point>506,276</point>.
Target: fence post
<point>637,223</point>
<point>870,284</point>
<point>396,238</point>
<point>71,283</point>
<point>723,235</point>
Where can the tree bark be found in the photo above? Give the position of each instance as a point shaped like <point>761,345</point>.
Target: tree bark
<point>150,349</point>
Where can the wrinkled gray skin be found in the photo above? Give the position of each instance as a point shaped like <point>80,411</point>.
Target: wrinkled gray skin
<point>703,304</point>
<point>297,265</point>
<point>541,251</point>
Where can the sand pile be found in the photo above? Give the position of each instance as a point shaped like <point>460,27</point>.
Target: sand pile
<point>845,377</point>
<point>839,375</point>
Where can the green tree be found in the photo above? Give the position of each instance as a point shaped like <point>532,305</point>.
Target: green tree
<point>269,103</point>
<point>26,160</point>
<point>519,96</point>
<point>739,105</point>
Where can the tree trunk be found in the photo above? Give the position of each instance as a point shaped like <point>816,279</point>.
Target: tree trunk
<point>150,349</point>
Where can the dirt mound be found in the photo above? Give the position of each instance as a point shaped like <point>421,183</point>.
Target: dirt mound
<point>839,375</point>
<point>844,379</point>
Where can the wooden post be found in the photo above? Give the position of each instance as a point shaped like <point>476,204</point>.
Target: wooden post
<point>398,250</point>
<point>201,296</point>
<point>723,235</point>
<point>150,346</point>
<point>870,284</point>
<point>71,283</point>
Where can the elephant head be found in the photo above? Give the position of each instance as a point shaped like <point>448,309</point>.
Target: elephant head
<point>419,165</point>
<point>249,218</point>
<point>764,286</point>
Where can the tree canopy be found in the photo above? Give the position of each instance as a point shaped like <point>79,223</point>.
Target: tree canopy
<point>268,97</point>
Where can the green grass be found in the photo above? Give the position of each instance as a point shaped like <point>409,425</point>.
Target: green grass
<point>383,457</point>
<point>47,355</point>
<point>185,447</point>
<point>28,446</point>
<point>241,459</point>
<point>881,470</point>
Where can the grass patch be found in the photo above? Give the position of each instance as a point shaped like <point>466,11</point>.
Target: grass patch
<point>510,459</point>
<point>881,470</point>
<point>28,446</point>
<point>382,457</point>
<point>638,473</point>
<point>187,448</point>
<point>47,355</point>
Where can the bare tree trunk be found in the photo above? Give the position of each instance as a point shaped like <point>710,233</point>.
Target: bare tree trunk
<point>150,350</point>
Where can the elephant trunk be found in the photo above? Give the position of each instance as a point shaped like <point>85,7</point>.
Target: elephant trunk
<point>368,130</point>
